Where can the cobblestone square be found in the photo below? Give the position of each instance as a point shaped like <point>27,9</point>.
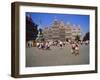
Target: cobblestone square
<point>56,56</point>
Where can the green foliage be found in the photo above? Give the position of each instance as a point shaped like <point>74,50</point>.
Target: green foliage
<point>77,38</point>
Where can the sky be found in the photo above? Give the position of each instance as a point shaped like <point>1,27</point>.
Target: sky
<point>46,19</point>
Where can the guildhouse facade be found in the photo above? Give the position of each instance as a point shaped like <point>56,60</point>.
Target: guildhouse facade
<point>60,31</point>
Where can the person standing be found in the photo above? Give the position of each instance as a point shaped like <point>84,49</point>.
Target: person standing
<point>61,44</point>
<point>77,49</point>
<point>73,48</point>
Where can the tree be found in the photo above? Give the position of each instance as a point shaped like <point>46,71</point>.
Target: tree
<point>77,38</point>
<point>86,37</point>
<point>31,29</point>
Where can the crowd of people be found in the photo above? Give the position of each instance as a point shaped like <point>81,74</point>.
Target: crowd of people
<point>46,45</point>
<point>75,45</point>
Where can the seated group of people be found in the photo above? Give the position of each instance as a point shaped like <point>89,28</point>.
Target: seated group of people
<point>43,45</point>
